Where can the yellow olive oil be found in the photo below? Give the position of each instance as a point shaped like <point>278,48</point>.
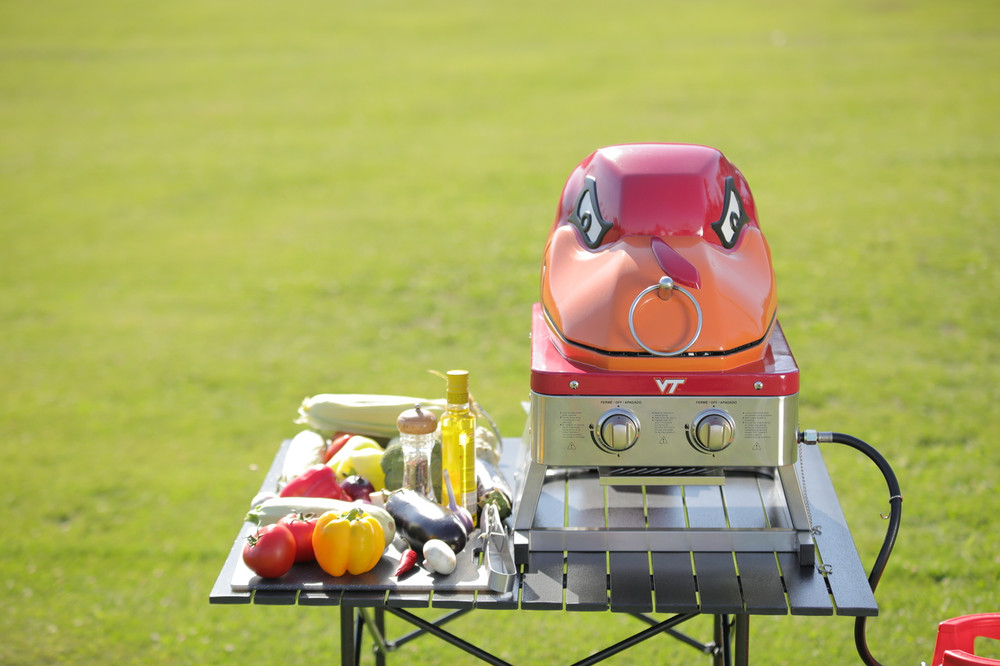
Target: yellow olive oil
<point>458,443</point>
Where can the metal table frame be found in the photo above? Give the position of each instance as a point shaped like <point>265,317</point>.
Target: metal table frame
<point>729,586</point>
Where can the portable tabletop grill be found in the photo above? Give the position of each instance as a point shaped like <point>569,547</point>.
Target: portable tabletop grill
<point>658,361</point>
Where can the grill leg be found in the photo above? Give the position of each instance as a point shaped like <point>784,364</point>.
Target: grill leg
<point>530,490</point>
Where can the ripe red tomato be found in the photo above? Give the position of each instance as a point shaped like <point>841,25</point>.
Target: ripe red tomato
<point>270,552</point>
<point>301,528</point>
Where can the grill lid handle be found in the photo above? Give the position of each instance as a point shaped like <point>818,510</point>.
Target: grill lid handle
<point>664,288</point>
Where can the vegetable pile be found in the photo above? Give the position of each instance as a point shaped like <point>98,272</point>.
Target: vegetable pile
<point>339,501</point>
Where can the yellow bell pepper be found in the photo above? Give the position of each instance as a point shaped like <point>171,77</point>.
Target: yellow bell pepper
<point>362,456</point>
<point>352,446</point>
<point>366,463</point>
<point>348,542</point>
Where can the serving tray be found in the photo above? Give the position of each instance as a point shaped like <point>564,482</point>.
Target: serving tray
<point>469,575</point>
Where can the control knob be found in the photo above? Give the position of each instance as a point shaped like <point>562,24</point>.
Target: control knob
<point>713,430</point>
<point>617,430</point>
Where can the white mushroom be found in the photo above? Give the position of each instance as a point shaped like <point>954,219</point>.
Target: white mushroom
<point>439,557</point>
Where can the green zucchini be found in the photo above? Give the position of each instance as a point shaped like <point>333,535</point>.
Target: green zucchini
<point>273,510</point>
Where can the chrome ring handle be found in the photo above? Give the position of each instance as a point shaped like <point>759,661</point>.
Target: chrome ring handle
<point>666,284</point>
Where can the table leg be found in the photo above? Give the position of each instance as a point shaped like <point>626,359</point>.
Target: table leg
<point>732,640</point>
<point>380,629</point>
<point>742,640</point>
<point>374,620</point>
<point>348,649</point>
<point>722,655</point>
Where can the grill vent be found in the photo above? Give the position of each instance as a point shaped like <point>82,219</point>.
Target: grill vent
<point>662,476</point>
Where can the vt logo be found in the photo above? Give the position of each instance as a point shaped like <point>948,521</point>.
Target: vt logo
<point>668,386</point>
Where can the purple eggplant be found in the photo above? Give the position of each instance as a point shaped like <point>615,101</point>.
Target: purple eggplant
<point>418,520</point>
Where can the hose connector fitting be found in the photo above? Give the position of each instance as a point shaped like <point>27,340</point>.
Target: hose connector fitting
<point>814,436</point>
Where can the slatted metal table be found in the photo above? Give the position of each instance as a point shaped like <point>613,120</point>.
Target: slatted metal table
<point>730,586</point>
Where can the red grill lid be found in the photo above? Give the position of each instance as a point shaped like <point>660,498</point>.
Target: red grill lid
<point>634,214</point>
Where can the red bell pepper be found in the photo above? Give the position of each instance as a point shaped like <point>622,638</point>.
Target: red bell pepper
<point>317,481</point>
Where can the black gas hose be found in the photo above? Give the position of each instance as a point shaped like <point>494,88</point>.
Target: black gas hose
<point>892,530</point>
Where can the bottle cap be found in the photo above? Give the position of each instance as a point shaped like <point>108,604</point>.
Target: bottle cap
<point>458,387</point>
<point>416,422</point>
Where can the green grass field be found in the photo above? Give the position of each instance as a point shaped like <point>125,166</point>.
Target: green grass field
<point>209,210</point>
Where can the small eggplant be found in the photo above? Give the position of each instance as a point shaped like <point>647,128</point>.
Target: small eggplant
<point>460,511</point>
<point>418,520</point>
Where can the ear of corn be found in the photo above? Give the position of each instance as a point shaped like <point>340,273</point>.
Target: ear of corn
<point>375,415</point>
<point>359,413</point>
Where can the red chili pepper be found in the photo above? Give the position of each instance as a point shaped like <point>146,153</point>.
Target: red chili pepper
<point>317,481</point>
<point>407,561</point>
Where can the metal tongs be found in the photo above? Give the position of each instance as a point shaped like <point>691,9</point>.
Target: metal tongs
<point>498,552</point>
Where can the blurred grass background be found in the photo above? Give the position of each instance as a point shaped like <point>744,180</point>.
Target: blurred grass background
<point>209,210</point>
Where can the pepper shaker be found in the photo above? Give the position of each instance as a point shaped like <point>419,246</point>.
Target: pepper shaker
<point>416,436</point>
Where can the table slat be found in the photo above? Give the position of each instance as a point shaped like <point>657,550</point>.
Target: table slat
<point>665,507</point>
<point>744,506</point>
<point>704,506</point>
<point>552,501</point>
<point>321,598</point>
<point>497,601</point>
<point>630,583</point>
<point>585,502</point>
<point>626,506</point>
<point>807,593</point>
<point>453,599</point>
<point>760,581</point>
<point>398,599</point>
<point>363,597</point>
<point>718,586</point>
<point>586,581</point>
<point>542,588</point>
<point>673,581</point>
<point>275,597</point>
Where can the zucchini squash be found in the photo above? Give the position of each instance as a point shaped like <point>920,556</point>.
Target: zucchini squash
<point>273,510</point>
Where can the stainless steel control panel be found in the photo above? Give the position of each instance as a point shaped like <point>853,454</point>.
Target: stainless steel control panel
<point>667,431</point>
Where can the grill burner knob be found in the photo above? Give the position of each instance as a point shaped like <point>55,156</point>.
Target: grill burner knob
<point>618,430</point>
<point>714,430</point>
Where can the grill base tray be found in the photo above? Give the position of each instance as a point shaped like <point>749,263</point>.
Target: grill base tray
<point>647,510</point>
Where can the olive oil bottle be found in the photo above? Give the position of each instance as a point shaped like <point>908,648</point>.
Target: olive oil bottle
<point>458,443</point>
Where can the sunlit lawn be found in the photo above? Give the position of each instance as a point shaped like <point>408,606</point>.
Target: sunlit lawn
<point>209,210</point>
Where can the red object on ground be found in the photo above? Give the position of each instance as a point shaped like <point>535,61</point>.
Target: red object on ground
<point>956,640</point>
